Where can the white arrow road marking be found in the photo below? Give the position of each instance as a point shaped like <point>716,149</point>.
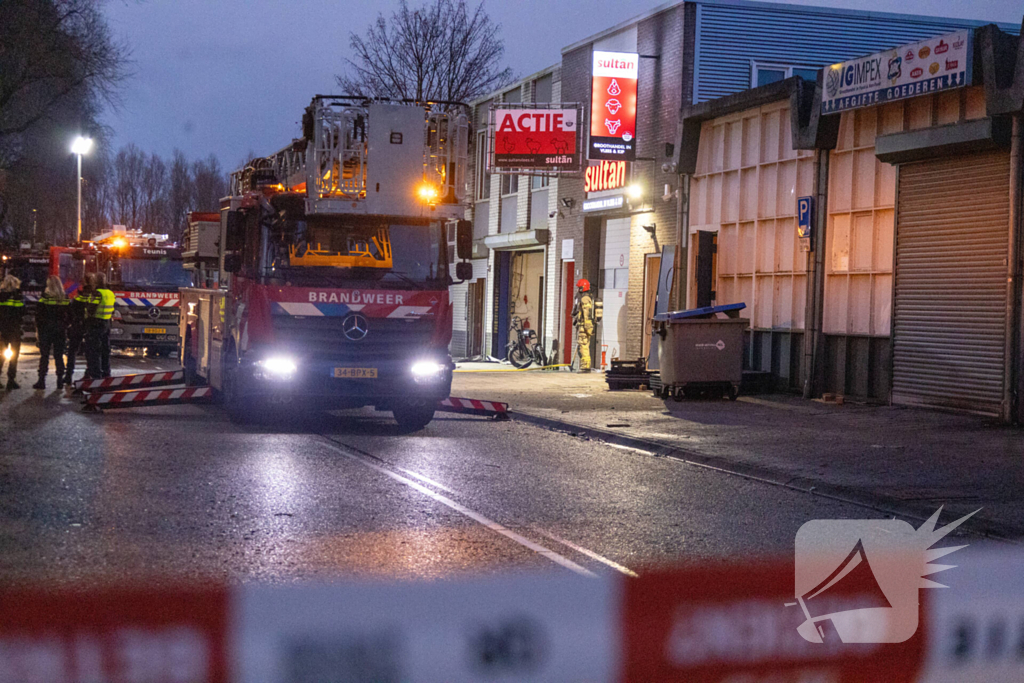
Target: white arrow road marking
<point>462,509</point>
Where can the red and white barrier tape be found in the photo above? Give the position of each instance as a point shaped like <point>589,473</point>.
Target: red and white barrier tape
<point>123,381</point>
<point>125,399</point>
<point>474,406</point>
<point>701,624</point>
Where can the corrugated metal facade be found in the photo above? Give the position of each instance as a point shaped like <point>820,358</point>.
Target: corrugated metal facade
<point>732,37</point>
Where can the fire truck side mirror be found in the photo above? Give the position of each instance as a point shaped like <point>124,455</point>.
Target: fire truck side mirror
<point>464,239</point>
<point>463,271</point>
<point>232,263</point>
<point>234,229</point>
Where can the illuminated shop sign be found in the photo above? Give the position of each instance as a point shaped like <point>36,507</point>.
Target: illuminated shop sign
<point>613,106</point>
<point>605,175</point>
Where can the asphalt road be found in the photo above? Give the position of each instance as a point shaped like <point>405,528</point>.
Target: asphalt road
<point>180,492</point>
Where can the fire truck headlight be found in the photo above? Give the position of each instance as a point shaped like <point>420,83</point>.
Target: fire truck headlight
<point>427,371</point>
<point>8,353</point>
<point>277,367</point>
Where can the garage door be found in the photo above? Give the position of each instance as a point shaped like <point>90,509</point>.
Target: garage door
<point>949,321</point>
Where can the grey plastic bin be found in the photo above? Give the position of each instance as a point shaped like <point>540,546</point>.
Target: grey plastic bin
<point>701,351</point>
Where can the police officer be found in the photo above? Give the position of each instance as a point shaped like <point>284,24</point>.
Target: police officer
<point>76,316</point>
<point>12,308</point>
<point>51,320</point>
<point>583,321</point>
<point>100,306</point>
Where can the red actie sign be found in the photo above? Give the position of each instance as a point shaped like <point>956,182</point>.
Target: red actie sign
<point>605,175</point>
<point>613,106</point>
<point>535,138</point>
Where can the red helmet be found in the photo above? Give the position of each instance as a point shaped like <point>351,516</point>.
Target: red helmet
<point>583,284</point>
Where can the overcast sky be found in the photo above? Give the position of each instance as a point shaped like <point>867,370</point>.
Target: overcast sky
<point>233,76</point>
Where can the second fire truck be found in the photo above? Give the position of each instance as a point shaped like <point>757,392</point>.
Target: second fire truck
<point>145,272</point>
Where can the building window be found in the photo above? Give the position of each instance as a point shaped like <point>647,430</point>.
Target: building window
<point>513,95</point>
<point>543,88</point>
<point>539,182</point>
<point>509,184</point>
<point>483,189</point>
<point>764,74</point>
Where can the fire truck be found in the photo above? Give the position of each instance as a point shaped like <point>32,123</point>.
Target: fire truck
<point>334,266</point>
<point>144,271</point>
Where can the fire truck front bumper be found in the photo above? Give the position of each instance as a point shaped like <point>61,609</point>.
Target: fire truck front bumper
<point>337,383</point>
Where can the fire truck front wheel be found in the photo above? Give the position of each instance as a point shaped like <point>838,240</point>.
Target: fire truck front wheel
<point>238,406</point>
<point>412,417</point>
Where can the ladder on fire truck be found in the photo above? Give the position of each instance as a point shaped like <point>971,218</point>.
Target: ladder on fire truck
<point>329,163</point>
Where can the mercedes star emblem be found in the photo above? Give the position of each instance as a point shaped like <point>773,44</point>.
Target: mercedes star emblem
<point>355,327</point>
<point>153,312</point>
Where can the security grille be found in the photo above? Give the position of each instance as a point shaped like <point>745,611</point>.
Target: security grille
<point>949,323</point>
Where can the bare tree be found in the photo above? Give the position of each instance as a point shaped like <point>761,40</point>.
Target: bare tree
<point>51,50</point>
<point>209,184</point>
<point>180,193</point>
<point>97,195</point>
<point>155,188</point>
<point>441,51</point>
<point>128,196</point>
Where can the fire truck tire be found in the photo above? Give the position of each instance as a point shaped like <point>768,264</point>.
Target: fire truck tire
<point>239,408</point>
<point>413,417</point>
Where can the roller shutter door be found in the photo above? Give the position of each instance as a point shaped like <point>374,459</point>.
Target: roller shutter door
<point>949,321</point>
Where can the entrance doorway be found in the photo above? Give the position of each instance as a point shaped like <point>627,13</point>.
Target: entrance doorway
<point>569,299</point>
<point>652,269</point>
<point>706,272</point>
<point>519,292</point>
<point>475,322</point>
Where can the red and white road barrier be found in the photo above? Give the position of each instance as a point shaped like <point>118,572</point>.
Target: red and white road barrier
<point>474,407</point>
<point>701,624</point>
<point>149,397</point>
<point>125,381</point>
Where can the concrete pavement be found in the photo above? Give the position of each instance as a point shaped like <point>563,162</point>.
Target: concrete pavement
<point>899,460</point>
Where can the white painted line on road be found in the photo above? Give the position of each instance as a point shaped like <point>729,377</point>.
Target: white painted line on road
<point>630,449</point>
<point>589,553</point>
<point>429,481</point>
<point>475,516</point>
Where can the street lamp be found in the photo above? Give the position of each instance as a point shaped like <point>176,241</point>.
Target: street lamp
<point>80,146</point>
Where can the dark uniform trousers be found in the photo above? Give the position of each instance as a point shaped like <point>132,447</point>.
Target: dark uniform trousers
<point>97,348</point>
<point>51,339</point>
<point>12,307</point>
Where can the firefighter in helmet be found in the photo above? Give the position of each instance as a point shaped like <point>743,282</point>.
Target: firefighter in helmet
<point>583,321</point>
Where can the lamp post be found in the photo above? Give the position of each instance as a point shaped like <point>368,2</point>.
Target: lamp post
<point>80,146</point>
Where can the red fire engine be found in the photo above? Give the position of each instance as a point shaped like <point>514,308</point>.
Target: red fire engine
<point>333,266</point>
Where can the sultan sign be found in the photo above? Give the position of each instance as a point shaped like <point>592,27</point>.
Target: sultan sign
<point>613,106</point>
<point>928,66</point>
<point>539,139</point>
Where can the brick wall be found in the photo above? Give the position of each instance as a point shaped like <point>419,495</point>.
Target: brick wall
<point>659,98</point>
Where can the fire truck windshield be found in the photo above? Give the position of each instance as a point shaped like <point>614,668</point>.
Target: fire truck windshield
<point>152,273</point>
<point>32,275</point>
<point>373,251</point>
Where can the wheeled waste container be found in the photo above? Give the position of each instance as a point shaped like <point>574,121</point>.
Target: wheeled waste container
<point>701,352</point>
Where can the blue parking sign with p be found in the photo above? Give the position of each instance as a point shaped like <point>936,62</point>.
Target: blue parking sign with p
<point>805,217</point>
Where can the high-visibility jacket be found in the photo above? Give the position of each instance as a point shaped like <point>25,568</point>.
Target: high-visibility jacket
<point>12,308</point>
<point>105,306</point>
